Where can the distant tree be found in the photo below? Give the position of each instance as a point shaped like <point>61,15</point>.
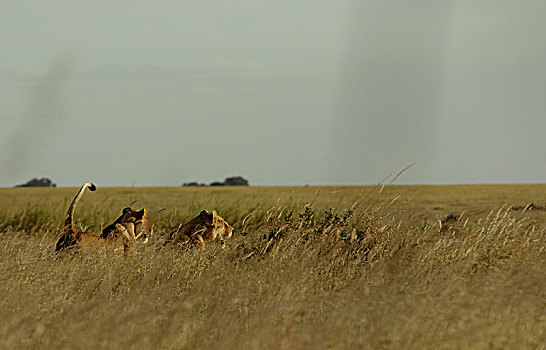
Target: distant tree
<point>230,181</point>
<point>35,182</point>
<point>193,183</point>
<point>236,181</point>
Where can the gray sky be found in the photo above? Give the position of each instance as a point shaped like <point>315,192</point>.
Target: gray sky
<point>283,93</point>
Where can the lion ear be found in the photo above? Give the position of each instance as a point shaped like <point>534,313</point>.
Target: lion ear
<point>125,210</point>
<point>204,212</point>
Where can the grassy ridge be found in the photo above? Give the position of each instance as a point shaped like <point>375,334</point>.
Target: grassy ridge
<point>306,268</point>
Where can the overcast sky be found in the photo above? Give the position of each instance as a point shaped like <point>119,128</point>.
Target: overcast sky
<point>280,92</point>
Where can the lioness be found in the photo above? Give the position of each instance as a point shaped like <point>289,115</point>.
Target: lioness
<point>205,227</point>
<point>125,231</point>
<point>138,218</point>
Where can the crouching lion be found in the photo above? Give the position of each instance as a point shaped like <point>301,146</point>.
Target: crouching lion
<point>205,227</point>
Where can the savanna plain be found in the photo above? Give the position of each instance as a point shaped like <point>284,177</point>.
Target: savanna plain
<point>381,267</point>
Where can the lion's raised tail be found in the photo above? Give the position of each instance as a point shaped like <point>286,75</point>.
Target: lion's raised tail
<point>69,220</point>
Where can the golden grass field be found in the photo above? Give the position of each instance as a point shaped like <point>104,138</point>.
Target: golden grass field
<point>398,267</point>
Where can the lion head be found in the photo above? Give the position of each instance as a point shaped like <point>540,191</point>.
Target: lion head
<point>216,228</point>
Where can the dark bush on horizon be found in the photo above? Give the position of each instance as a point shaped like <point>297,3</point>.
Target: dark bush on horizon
<point>230,181</point>
<point>35,182</point>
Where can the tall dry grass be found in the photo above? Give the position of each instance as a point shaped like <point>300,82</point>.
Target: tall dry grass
<point>297,274</point>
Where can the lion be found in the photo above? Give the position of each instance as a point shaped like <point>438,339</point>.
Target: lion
<point>138,218</point>
<point>122,234</point>
<point>205,227</point>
